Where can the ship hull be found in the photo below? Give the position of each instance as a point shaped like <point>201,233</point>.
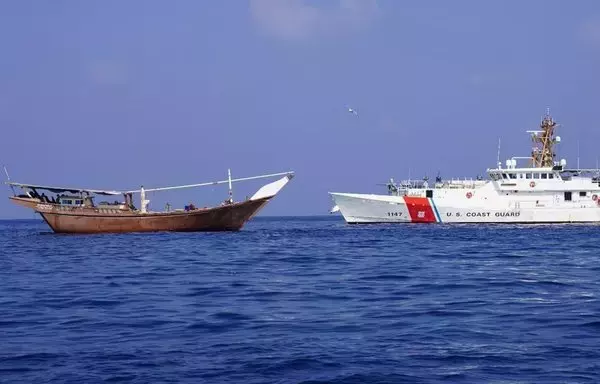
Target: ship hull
<point>364,208</point>
<point>230,217</point>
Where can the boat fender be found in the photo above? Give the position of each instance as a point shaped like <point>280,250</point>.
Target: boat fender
<point>532,184</point>
<point>594,197</point>
<point>469,195</point>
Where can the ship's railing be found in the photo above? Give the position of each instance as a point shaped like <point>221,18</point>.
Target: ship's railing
<point>424,184</point>
<point>461,184</point>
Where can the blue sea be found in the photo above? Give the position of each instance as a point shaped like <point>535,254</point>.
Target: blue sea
<point>302,300</point>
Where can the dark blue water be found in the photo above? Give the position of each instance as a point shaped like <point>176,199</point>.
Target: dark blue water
<point>302,301</point>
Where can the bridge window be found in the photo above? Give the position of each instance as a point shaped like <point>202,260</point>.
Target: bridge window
<point>582,194</point>
<point>528,175</point>
<point>544,175</point>
<point>429,193</point>
<point>551,176</point>
<point>568,196</point>
<point>512,175</point>
<point>536,175</point>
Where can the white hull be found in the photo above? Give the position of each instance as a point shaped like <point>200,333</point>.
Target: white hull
<point>368,208</point>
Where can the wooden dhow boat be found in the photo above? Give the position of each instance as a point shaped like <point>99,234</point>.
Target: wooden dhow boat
<point>73,210</point>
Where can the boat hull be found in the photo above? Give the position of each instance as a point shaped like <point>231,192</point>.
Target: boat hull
<point>230,217</point>
<point>365,208</point>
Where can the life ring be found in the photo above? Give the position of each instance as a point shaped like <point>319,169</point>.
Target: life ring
<point>594,197</point>
<point>532,184</point>
<point>469,195</point>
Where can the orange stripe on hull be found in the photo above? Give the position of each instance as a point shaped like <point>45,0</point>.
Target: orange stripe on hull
<point>419,209</point>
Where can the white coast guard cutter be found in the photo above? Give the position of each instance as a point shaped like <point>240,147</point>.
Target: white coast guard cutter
<point>544,191</point>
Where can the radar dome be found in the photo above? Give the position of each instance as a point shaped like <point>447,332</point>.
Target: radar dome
<point>563,162</point>
<point>557,139</point>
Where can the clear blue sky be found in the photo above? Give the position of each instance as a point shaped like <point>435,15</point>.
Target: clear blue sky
<point>114,94</point>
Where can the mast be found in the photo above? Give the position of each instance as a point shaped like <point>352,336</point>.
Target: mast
<point>578,154</point>
<point>498,158</point>
<point>543,154</point>
<point>230,188</point>
<point>143,201</point>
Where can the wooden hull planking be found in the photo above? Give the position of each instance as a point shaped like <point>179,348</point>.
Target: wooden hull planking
<point>84,220</point>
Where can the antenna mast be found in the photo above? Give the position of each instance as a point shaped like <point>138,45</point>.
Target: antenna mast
<point>578,154</point>
<point>544,140</point>
<point>498,159</point>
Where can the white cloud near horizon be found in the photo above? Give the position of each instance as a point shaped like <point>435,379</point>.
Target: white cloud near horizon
<point>301,19</point>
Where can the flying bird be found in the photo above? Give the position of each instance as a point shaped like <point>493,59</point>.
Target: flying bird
<point>352,111</point>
